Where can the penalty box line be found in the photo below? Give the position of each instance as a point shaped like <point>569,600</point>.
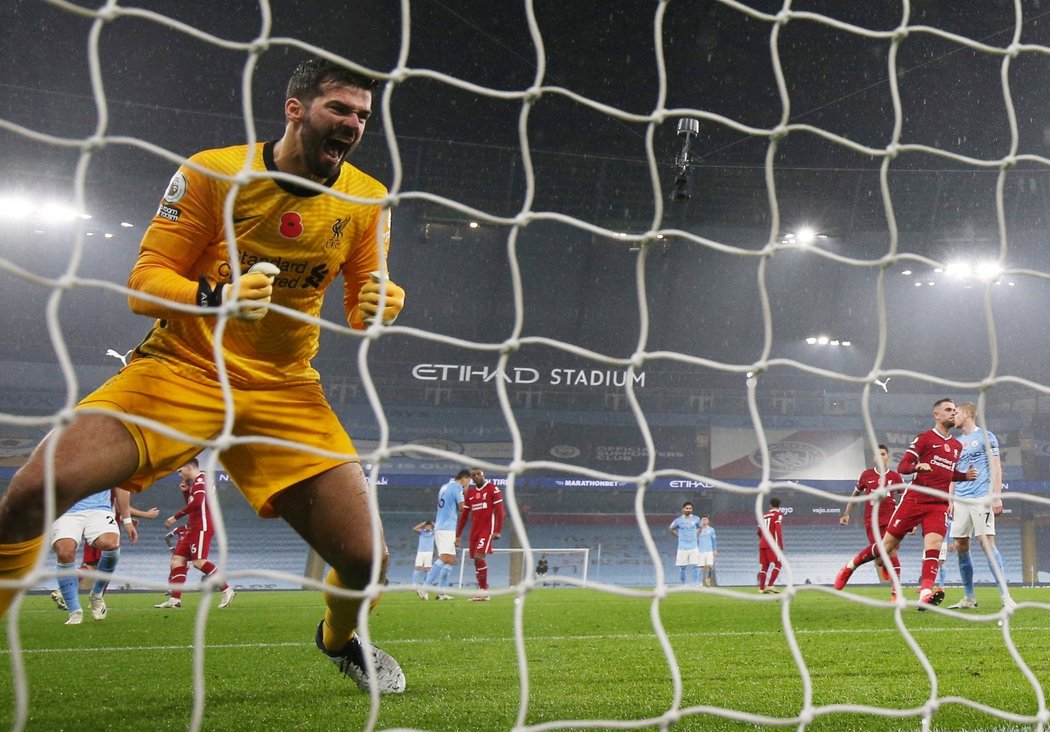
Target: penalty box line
<point>509,639</point>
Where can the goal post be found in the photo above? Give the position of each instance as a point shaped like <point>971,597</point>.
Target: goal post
<point>565,566</point>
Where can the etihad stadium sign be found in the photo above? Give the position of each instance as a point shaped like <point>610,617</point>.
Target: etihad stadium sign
<point>466,373</point>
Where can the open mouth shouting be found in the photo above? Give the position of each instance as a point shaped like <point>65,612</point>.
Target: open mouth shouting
<point>335,150</point>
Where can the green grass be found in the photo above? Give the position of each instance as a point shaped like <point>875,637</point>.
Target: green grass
<point>590,655</point>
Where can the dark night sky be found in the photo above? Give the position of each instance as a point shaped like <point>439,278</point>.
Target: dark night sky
<point>170,89</point>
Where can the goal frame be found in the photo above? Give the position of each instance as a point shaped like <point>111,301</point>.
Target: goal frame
<point>531,571</point>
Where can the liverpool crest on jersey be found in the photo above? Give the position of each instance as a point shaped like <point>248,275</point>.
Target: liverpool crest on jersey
<point>336,239</point>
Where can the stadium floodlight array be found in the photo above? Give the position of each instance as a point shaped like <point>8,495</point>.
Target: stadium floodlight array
<point>506,343</point>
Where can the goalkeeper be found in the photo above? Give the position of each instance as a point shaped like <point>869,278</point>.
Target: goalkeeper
<point>292,242</point>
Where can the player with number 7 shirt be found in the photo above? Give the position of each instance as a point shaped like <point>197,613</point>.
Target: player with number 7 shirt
<point>931,457</point>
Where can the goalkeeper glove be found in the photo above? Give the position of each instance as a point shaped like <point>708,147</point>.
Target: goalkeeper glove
<point>254,288</point>
<point>368,301</point>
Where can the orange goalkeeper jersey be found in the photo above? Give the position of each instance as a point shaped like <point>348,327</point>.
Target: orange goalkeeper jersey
<point>312,237</point>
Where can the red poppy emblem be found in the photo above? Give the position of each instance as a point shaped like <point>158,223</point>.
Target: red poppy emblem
<point>291,225</point>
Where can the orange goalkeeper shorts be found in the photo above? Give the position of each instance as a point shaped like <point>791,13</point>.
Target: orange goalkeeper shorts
<point>146,388</point>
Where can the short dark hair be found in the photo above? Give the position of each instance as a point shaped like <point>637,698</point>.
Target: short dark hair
<point>462,474</point>
<point>774,502</point>
<point>313,73</point>
<point>687,503</point>
<point>941,401</point>
<point>193,462</point>
<point>883,447</point>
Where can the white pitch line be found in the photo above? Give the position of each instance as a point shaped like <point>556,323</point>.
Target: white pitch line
<point>510,639</point>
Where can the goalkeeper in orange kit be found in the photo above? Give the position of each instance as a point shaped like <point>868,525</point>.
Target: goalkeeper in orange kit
<point>294,235</point>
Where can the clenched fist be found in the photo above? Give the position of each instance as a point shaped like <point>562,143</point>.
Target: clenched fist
<point>368,301</point>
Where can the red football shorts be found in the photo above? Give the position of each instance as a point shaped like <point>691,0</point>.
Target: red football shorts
<point>194,545</point>
<point>91,554</point>
<point>480,543</point>
<point>872,537</point>
<point>767,556</point>
<point>931,516</point>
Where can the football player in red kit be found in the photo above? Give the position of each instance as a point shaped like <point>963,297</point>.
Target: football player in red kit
<point>483,505</point>
<point>931,457</point>
<point>870,481</point>
<point>195,543</point>
<point>768,561</point>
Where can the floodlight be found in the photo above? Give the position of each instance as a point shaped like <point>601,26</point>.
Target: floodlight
<point>15,207</point>
<point>806,236</point>
<point>56,212</point>
<point>987,271</point>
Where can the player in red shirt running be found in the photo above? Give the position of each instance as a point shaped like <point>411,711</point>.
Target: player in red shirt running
<point>768,560</point>
<point>931,457</point>
<point>870,481</point>
<point>195,542</point>
<point>483,504</point>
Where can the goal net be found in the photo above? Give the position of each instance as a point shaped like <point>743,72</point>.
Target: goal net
<point>553,567</point>
<point>655,252</point>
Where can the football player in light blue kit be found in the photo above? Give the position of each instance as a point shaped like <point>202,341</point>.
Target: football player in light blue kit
<point>449,504</point>
<point>93,520</point>
<point>424,552</point>
<point>707,544</point>
<point>686,528</point>
<point>977,519</point>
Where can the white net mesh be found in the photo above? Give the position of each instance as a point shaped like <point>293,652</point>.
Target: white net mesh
<point>588,244</point>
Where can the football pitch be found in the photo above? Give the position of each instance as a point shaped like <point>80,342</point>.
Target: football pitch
<point>590,655</point>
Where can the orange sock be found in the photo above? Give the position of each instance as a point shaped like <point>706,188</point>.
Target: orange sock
<point>340,619</point>
<point>16,560</point>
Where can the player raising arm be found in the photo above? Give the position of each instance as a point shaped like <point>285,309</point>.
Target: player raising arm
<point>424,554</point>
<point>292,242</point>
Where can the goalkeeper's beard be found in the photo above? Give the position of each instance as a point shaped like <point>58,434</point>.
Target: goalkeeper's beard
<point>313,142</point>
